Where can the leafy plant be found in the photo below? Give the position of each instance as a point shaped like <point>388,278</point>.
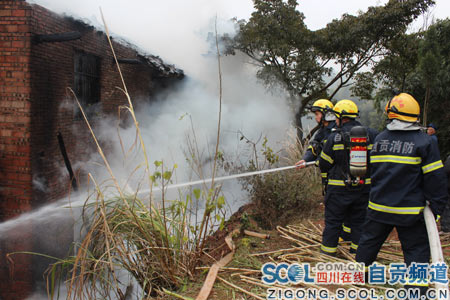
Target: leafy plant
<point>279,196</point>
<point>157,242</point>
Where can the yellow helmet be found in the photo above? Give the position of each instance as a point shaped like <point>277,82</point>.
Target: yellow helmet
<point>322,105</point>
<point>346,109</point>
<point>403,107</point>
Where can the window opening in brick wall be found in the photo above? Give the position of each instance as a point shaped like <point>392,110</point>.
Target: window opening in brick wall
<point>87,82</point>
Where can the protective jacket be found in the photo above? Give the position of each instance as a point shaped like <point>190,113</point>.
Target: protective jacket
<point>334,159</point>
<point>317,142</point>
<point>445,219</point>
<point>406,171</point>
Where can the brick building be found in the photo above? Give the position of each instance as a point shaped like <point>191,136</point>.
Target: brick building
<point>42,54</point>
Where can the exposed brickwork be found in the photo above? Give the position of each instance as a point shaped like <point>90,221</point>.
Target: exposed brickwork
<point>15,147</point>
<point>34,106</point>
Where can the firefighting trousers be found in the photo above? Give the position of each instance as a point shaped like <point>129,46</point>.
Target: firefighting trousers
<point>350,207</point>
<point>413,238</point>
<point>346,233</point>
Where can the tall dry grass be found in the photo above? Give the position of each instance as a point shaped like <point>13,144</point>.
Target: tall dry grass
<point>155,243</point>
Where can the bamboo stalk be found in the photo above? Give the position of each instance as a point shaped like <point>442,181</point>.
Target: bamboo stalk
<point>283,250</point>
<point>240,289</point>
<point>256,234</point>
<point>230,269</point>
<point>170,293</point>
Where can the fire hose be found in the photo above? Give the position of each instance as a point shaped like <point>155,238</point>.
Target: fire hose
<point>223,178</point>
<point>437,256</point>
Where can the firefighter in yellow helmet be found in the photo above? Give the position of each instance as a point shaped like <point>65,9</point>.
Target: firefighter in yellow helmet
<point>324,116</point>
<point>406,171</point>
<point>344,158</point>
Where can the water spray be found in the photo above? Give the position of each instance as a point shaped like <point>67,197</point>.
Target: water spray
<point>223,178</point>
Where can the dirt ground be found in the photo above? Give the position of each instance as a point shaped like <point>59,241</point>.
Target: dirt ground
<point>241,278</point>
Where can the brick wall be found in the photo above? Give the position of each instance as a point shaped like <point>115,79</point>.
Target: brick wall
<point>34,106</point>
<point>52,72</point>
<point>15,147</point>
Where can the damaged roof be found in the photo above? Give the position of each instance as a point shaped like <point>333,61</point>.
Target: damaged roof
<point>154,62</point>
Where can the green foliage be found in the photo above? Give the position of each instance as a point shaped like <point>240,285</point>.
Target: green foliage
<point>419,64</point>
<point>371,117</point>
<point>434,75</point>
<point>158,244</point>
<point>245,221</point>
<point>281,195</point>
<point>353,37</point>
<point>278,197</point>
<point>289,53</point>
<point>364,85</point>
<point>268,153</point>
<point>430,57</point>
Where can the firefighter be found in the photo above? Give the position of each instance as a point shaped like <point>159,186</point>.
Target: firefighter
<point>445,220</point>
<point>347,195</point>
<point>406,171</point>
<point>325,117</point>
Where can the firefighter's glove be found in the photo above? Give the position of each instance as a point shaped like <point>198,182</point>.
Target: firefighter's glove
<point>300,164</point>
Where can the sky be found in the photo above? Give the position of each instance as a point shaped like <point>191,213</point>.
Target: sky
<point>183,22</point>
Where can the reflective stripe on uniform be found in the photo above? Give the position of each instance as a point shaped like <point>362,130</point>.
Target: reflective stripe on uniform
<point>396,159</point>
<point>312,150</point>
<point>396,210</point>
<point>354,246</point>
<point>342,183</point>
<point>328,249</point>
<point>416,281</point>
<point>326,157</point>
<point>341,147</point>
<point>336,182</point>
<point>432,167</point>
<point>417,284</point>
<point>324,175</point>
<point>346,229</point>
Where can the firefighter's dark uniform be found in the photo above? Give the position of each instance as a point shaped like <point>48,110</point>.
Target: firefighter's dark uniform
<point>312,153</point>
<point>317,142</point>
<point>342,202</point>
<point>445,219</point>
<point>406,170</point>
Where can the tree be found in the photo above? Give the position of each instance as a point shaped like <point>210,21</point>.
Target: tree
<point>287,52</point>
<point>418,64</point>
<point>392,73</point>
<point>428,65</point>
<point>431,86</point>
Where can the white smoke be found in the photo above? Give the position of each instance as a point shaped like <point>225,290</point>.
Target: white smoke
<point>247,108</point>
<point>172,29</point>
<point>177,31</point>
